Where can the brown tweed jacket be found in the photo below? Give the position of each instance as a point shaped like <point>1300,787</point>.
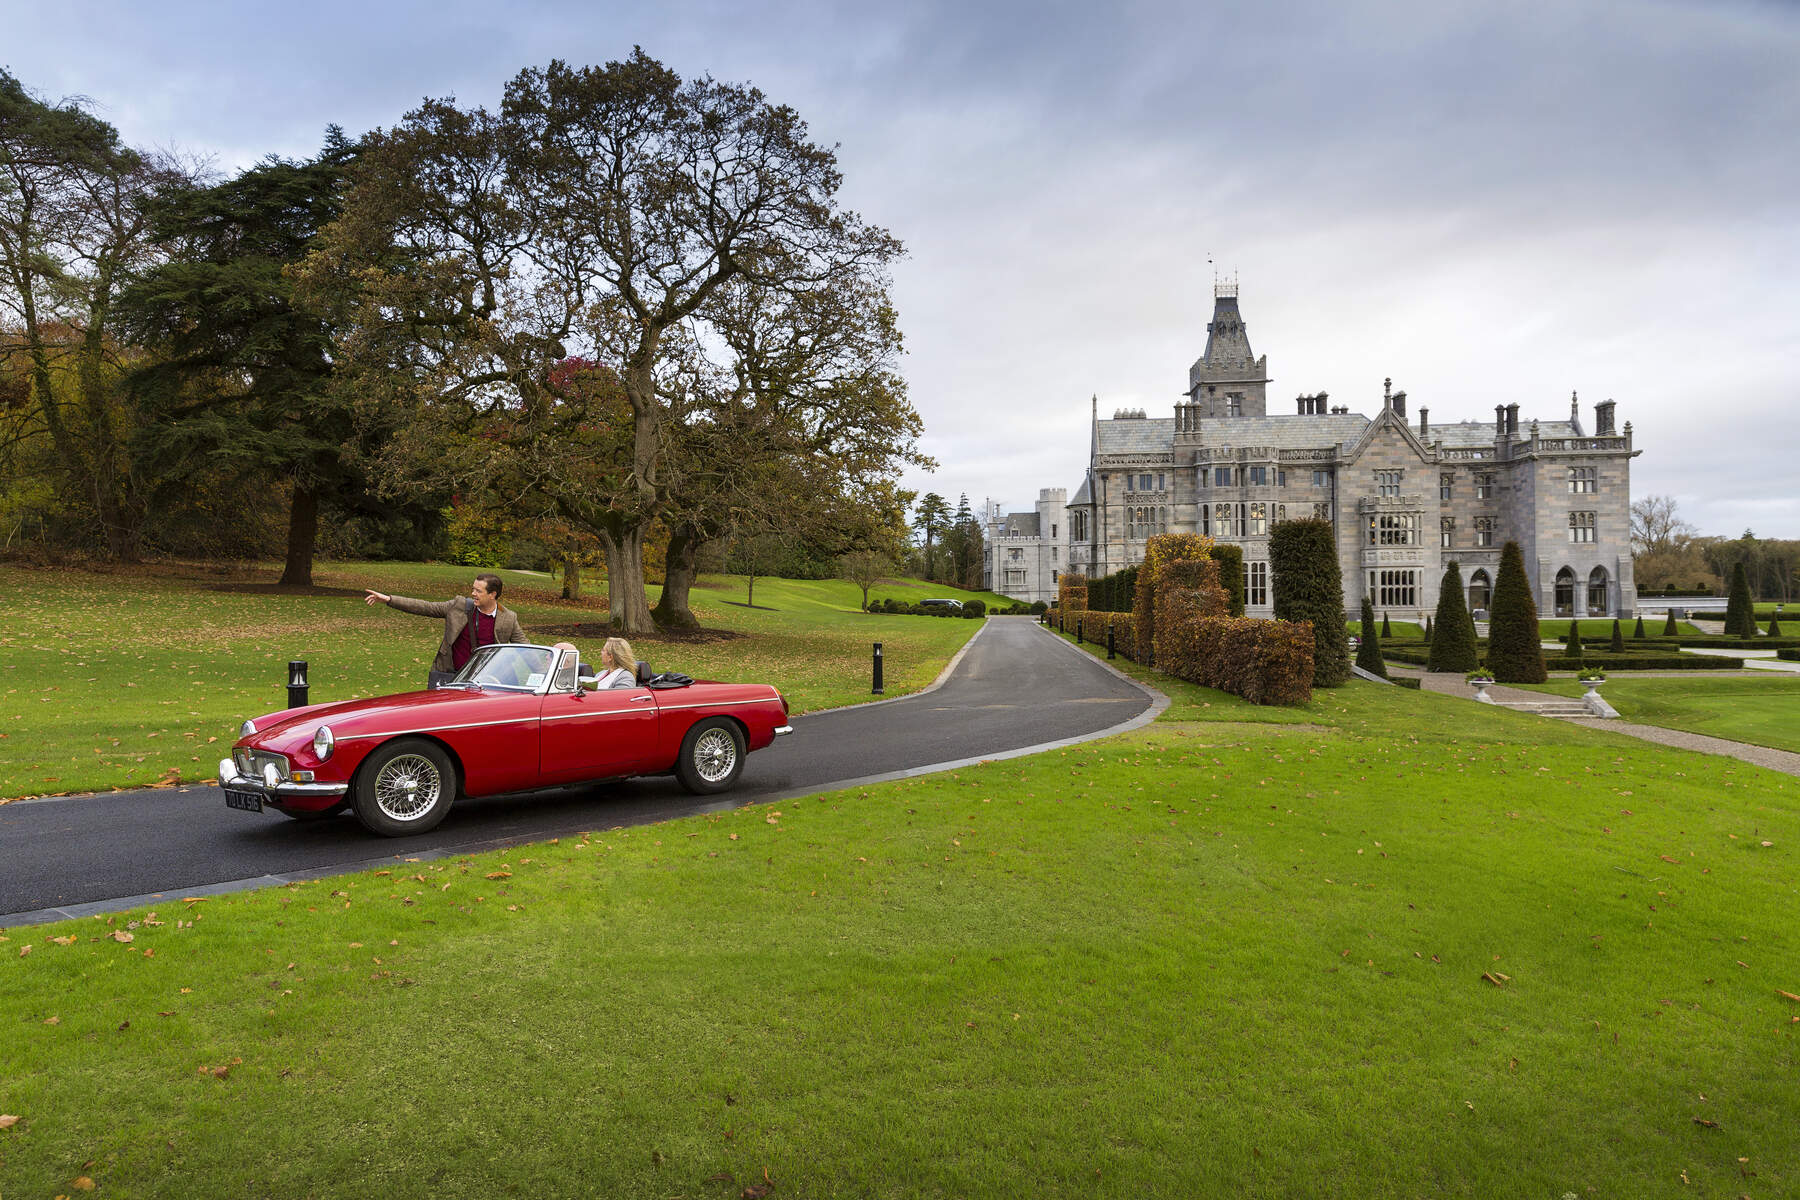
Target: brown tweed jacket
<point>456,623</point>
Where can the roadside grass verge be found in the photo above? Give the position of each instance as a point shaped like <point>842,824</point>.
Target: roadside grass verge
<point>112,680</point>
<point>1238,952</point>
<point>1763,710</point>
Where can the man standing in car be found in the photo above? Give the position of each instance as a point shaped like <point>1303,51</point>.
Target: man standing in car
<point>469,621</point>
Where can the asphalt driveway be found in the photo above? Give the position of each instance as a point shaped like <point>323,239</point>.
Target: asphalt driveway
<point>1016,688</point>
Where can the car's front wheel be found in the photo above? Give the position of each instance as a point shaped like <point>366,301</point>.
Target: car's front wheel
<point>405,788</point>
<point>712,756</point>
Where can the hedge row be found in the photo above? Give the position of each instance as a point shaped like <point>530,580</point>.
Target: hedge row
<point>1265,662</point>
<point>1725,642</point>
<point>1790,655</point>
<point>973,608</point>
<point>1647,662</point>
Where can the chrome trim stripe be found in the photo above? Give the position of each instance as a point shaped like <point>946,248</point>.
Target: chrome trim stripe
<point>245,783</point>
<point>363,737</point>
<point>617,712</point>
<point>712,704</point>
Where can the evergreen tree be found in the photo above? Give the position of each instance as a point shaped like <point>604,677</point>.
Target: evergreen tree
<point>1515,653</point>
<point>1618,638</point>
<point>1740,610</point>
<point>1453,645</point>
<point>1387,631</point>
<point>1426,634</point>
<point>1303,567</point>
<point>1575,650</point>
<point>1638,633</point>
<point>1669,629</point>
<point>1368,655</point>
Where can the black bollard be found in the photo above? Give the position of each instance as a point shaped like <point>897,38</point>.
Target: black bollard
<point>1111,643</point>
<point>876,690</point>
<point>297,683</point>
<point>1078,622</point>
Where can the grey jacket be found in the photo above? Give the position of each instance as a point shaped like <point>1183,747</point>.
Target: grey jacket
<point>456,614</point>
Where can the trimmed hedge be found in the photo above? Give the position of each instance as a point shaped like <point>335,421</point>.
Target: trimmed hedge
<point>1789,655</point>
<point>1724,642</point>
<point>1186,590</point>
<point>1113,593</point>
<point>1309,589</point>
<point>1265,662</point>
<point>1159,549</point>
<point>1231,574</point>
<point>1408,681</point>
<point>1649,662</point>
<point>1071,593</point>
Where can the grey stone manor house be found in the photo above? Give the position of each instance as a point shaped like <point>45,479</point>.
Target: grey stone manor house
<point>1405,495</point>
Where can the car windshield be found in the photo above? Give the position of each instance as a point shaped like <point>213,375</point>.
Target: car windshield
<point>509,667</point>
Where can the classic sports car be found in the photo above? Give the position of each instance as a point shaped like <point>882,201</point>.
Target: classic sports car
<point>516,718</point>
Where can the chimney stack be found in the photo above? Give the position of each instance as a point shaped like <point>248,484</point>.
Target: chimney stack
<point>1400,406</point>
<point>1499,422</point>
<point>1603,417</point>
<point>1424,422</point>
<point>1512,420</point>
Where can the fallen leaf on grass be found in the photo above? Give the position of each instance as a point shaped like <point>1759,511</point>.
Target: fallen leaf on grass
<point>1708,1124</point>
<point>119,935</point>
<point>53,1020</point>
<point>83,1184</point>
<point>65,941</point>
<point>24,950</point>
<point>1496,978</point>
<point>8,1120</point>
<point>1787,995</point>
<point>499,875</point>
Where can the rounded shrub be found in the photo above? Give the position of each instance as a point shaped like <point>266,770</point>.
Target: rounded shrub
<point>975,608</point>
<point>1039,608</point>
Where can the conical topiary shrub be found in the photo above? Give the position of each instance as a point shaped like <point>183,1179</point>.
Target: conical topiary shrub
<point>1618,638</point>
<point>1368,655</point>
<point>1453,645</point>
<point>1740,610</point>
<point>1574,639</point>
<point>1303,571</point>
<point>1387,631</point>
<point>1775,625</point>
<point>1515,652</point>
<point>1638,633</point>
<point>1669,629</point>
<point>1425,634</point>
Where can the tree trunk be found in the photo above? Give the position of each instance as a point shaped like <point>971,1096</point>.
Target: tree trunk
<point>672,611</point>
<point>628,609</point>
<point>571,587</point>
<point>303,535</point>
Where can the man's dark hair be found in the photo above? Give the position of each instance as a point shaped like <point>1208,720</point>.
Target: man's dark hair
<point>491,583</point>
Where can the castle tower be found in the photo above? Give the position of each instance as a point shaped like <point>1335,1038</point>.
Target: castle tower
<point>1228,380</point>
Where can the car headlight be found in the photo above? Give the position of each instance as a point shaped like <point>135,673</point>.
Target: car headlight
<point>246,729</point>
<point>323,742</point>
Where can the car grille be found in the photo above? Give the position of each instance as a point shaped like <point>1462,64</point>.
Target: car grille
<point>252,762</point>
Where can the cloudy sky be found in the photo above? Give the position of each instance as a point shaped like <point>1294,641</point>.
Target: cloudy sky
<point>1488,202</point>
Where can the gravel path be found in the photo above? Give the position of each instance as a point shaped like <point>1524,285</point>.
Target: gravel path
<point>1785,761</point>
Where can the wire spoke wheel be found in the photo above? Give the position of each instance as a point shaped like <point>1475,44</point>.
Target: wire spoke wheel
<point>712,756</point>
<point>715,754</point>
<point>407,786</point>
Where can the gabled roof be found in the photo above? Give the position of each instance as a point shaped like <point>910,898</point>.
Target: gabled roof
<point>1021,524</point>
<point>1083,495</point>
<point>1136,435</point>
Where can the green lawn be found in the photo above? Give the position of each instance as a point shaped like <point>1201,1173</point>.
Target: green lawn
<point>116,680</point>
<point>1763,709</point>
<point>1389,944</point>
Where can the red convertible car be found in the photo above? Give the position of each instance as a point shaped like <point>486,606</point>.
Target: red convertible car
<point>516,718</point>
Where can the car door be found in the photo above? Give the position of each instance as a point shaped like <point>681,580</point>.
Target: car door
<point>596,734</point>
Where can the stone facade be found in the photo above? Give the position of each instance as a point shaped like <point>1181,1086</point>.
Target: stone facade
<point>1027,551</point>
<point>1405,498</point>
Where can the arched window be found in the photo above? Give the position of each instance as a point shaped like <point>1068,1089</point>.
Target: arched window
<point>1565,593</point>
<point>1481,590</point>
<point>1599,597</point>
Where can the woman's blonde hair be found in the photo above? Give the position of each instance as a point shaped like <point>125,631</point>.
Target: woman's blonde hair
<point>620,650</point>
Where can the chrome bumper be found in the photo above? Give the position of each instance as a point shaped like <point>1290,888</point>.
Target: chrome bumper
<point>781,729</point>
<point>286,789</point>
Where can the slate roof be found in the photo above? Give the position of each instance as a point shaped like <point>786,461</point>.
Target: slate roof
<point>1021,524</point>
<point>1083,495</point>
<point>1467,434</point>
<point>1137,435</point>
<point>1285,432</point>
<point>1156,435</point>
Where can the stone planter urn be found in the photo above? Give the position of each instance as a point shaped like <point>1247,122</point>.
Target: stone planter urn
<point>1481,683</point>
<point>1591,686</point>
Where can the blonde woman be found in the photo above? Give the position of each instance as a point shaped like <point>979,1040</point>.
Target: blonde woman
<point>618,664</point>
